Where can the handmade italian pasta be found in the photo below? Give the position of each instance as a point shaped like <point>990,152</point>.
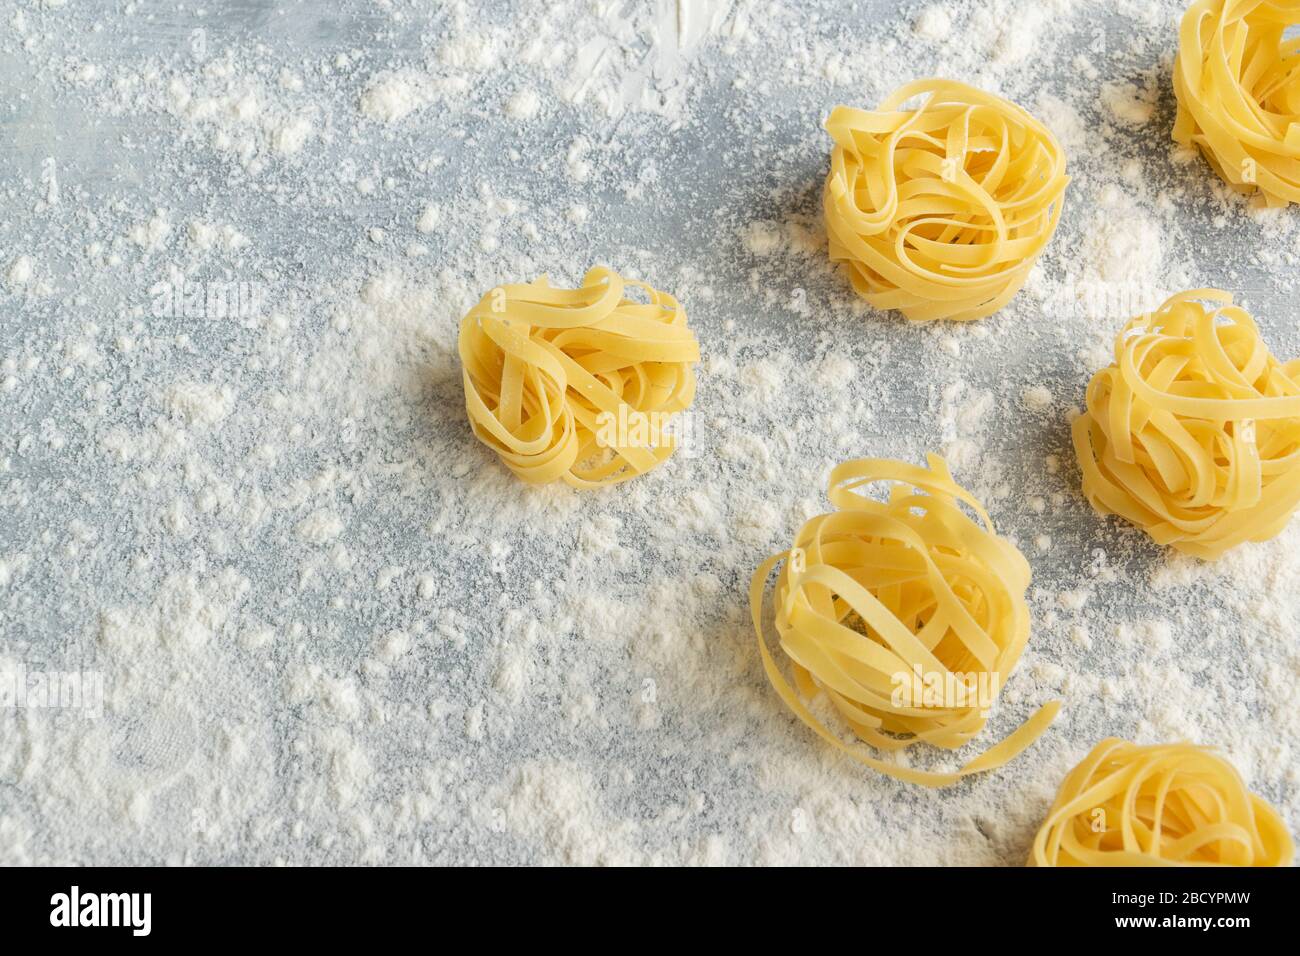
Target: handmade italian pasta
<point>1163,805</point>
<point>1193,434</point>
<point>1237,81</point>
<point>941,211</point>
<point>906,613</point>
<point>578,384</point>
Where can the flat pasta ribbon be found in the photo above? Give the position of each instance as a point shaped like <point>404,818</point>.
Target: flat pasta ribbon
<point>1193,434</point>
<point>578,384</point>
<point>1237,80</point>
<point>879,603</point>
<point>1162,805</point>
<point>940,212</point>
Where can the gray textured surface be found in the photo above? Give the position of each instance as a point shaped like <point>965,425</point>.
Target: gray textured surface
<point>316,749</point>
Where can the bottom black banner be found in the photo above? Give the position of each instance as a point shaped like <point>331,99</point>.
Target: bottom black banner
<point>219,905</point>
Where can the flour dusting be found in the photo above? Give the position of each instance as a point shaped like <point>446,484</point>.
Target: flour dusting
<point>237,482</point>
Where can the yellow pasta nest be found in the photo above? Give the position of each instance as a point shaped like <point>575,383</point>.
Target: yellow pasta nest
<point>941,211</point>
<point>1237,80</point>
<point>1164,805</point>
<point>907,613</point>
<point>1193,434</point>
<point>578,384</point>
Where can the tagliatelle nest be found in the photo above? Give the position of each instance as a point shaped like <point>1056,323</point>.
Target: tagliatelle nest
<point>1237,80</point>
<point>879,603</point>
<point>1193,434</point>
<point>578,384</point>
<point>941,211</point>
<point>1163,805</point>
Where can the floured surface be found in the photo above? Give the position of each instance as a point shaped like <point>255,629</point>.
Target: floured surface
<point>333,628</point>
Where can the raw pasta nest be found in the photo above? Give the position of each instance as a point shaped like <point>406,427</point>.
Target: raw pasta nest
<point>578,384</point>
<point>1163,805</point>
<point>941,211</point>
<point>1193,434</point>
<point>1237,80</point>
<point>880,600</point>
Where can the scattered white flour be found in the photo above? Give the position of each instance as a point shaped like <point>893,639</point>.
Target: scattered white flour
<point>394,96</point>
<point>762,238</point>
<point>291,135</point>
<point>332,628</point>
<point>19,272</point>
<point>1129,103</point>
<point>934,23</point>
<point>152,234</point>
<point>198,403</point>
<point>428,220</point>
<point>1037,397</point>
<point>1124,243</point>
<point>524,105</point>
<point>320,527</point>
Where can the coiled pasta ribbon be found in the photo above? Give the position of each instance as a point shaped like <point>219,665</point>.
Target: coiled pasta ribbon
<point>1237,80</point>
<point>878,594</point>
<point>1193,434</point>
<point>577,384</point>
<point>1163,805</point>
<point>941,211</point>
